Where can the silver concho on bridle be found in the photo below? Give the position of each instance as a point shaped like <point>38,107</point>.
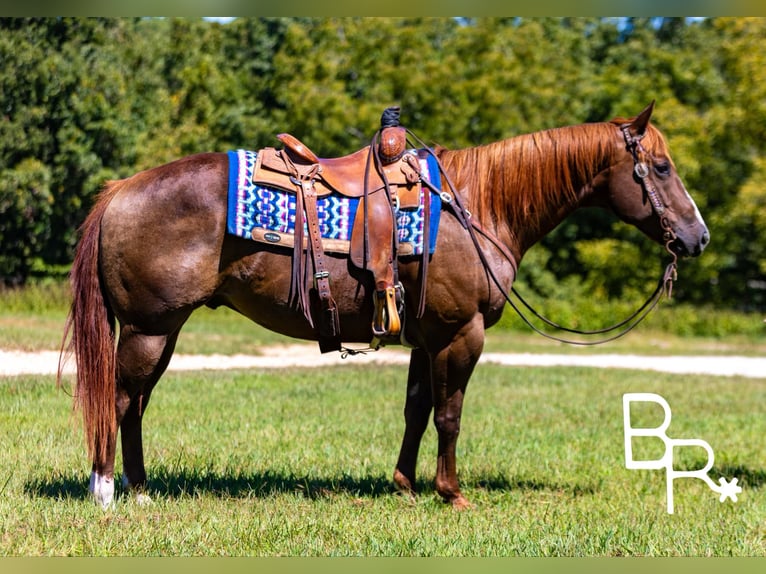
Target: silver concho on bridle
<point>641,169</point>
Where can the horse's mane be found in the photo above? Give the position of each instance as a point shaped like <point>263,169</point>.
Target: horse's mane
<point>514,182</point>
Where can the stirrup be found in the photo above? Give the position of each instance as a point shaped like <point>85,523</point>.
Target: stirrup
<point>386,323</point>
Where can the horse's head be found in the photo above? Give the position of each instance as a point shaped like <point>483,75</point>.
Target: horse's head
<point>645,190</point>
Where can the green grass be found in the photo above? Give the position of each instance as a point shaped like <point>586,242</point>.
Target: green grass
<point>298,462</point>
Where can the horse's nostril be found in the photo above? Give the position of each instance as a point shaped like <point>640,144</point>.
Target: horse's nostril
<point>705,239</point>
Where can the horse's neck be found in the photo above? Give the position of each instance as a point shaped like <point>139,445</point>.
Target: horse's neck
<point>523,187</point>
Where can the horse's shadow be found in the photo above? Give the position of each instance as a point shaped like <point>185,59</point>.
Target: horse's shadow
<point>175,484</point>
<point>747,477</point>
<point>189,482</point>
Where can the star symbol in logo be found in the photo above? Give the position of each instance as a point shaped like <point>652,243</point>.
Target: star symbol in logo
<point>729,489</point>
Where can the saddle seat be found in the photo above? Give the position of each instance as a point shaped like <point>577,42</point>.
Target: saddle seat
<point>346,174</point>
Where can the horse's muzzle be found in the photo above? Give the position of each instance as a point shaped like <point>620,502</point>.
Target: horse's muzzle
<point>691,246</point>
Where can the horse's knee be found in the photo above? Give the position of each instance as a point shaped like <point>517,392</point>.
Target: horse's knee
<point>447,424</point>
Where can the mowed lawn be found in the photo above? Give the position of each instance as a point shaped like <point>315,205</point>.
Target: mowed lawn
<point>298,462</point>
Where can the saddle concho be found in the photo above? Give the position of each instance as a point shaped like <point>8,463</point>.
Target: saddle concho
<point>267,214</point>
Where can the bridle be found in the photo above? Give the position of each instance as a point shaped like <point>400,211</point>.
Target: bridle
<point>641,171</point>
<point>664,286</point>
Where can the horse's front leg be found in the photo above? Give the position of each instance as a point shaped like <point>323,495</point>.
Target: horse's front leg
<point>451,368</point>
<point>417,409</point>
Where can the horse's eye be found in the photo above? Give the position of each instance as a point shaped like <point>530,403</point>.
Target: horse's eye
<point>662,168</point>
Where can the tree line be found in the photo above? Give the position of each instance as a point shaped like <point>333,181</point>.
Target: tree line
<point>83,100</point>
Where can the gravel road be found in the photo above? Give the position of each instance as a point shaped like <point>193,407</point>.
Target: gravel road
<point>302,355</point>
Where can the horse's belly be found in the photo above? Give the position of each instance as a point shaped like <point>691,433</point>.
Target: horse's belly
<point>258,287</point>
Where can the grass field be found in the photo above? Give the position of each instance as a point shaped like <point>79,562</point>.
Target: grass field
<point>298,462</point>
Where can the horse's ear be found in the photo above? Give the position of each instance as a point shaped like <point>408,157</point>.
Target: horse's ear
<point>638,125</point>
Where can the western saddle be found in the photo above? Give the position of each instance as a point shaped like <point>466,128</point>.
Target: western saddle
<point>384,176</point>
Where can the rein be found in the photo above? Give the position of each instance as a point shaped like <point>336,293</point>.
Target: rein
<point>664,286</point>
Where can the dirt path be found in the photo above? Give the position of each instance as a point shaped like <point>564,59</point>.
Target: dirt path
<point>46,362</point>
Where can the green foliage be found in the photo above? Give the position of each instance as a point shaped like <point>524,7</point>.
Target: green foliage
<point>27,204</point>
<point>35,299</point>
<point>65,124</point>
<point>84,100</point>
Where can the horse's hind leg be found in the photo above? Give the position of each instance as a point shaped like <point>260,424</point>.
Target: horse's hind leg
<point>417,410</point>
<point>141,361</point>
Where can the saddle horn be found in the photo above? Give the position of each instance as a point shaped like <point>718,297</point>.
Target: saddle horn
<point>393,137</point>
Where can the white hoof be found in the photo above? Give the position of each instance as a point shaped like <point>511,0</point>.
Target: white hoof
<point>141,498</point>
<point>102,490</point>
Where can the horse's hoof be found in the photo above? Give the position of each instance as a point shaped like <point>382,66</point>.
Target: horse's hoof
<point>403,484</point>
<point>460,502</point>
<point>101,489</point>
<point>104,502</point>
<point>143,499</point>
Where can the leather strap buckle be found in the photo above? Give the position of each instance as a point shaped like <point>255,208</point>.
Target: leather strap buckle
<point>320,275</point>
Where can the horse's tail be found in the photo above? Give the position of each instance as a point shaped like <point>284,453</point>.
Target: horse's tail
<point>90,331</point>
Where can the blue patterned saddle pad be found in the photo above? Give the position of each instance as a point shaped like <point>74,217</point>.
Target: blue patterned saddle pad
<point>267,214</point>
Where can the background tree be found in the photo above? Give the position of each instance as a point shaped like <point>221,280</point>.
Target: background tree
<point>65,128</point>
<point>85,100</point>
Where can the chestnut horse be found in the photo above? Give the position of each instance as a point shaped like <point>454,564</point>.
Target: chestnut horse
<point>155,248</point>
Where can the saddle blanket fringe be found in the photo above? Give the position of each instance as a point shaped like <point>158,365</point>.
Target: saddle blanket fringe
<point>267,214</point>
